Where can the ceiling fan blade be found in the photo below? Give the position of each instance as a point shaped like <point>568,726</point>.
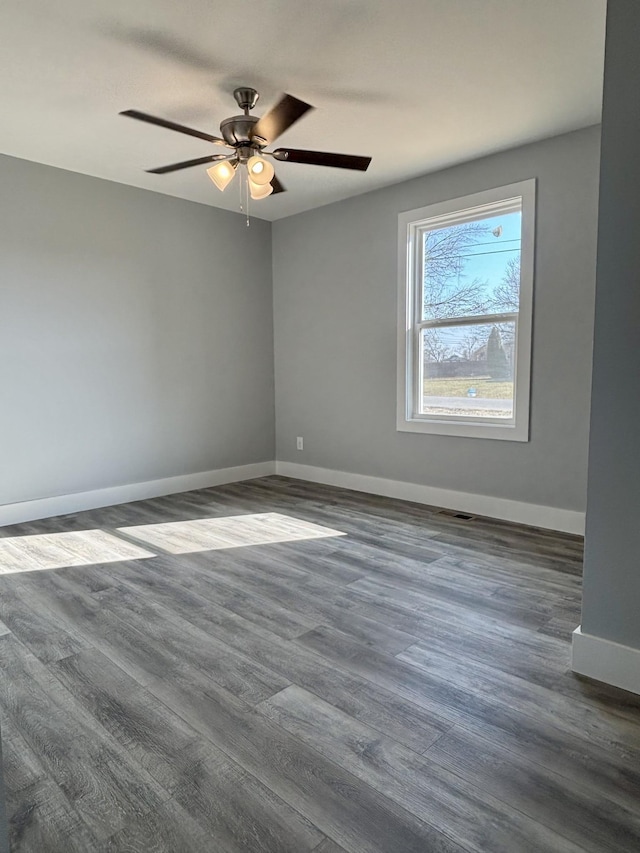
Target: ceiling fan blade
<point>322,158</point>
<point>171,125</point>
<point>186,164</point>
<point>280,117</point>
<point>277,186</point>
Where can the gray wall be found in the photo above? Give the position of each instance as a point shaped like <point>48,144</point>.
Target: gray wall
<point>335,287</point>
<point>136,336</point>
<point>611,595</point>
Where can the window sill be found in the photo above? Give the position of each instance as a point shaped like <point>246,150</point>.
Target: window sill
<point>502,432</point>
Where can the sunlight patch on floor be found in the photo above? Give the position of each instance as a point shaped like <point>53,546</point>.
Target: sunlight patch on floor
<point>61,550</point>
<point>211,534</point>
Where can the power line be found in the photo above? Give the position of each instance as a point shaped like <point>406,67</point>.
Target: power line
<point>476,254</point>
<point>502,242</point>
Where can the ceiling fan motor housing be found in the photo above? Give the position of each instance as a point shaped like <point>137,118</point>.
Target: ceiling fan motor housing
<point>237,130</point>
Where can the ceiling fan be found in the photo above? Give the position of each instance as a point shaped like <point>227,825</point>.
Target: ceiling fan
<point>249,136</point>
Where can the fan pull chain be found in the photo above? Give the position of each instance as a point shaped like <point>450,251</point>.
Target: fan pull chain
<point>243,184</point>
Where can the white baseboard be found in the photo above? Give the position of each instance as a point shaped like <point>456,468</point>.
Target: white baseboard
<point>535,515</point>
<point>606,661</point>
<point>62,504</point>
<point>532,514</point>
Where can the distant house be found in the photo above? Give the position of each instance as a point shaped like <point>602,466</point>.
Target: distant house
<point>480,354</point>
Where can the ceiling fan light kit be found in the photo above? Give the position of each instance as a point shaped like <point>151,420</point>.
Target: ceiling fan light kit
<point>259,191</point>
<point>222,174</point>
<point>261,171</point>
<point>248,136</point>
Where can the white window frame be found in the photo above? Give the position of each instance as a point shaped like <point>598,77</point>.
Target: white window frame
<point>411,224</point>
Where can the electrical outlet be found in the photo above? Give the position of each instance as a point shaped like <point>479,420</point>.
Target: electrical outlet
<point>299,443</point>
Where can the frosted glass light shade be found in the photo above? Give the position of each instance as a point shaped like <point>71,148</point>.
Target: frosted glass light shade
<point>260,170</point>
<point>222,174</point>
<point>257,191</point>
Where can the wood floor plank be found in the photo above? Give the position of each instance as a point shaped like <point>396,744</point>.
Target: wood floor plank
<point>21,767</point>
<point>4,826</point>
<point>386,671</point>
<point>97,776</point>
<point>41,634</point>
<point>506,572</point>
<point>575,811</point>
<point>469,541</point>
<point>329,846</point>
<point>469,815</point>
<point>169,829</point>
<point>41,819</point>
<point>434,594</point>
<point>332,799</point>
<point>561,624</point>
<point>403,720</point>
<point>187,643</point>
<point>199,586</point>
<point>520,659</point>
<point>407,612</point>
<point>609,774</point>
<point>323,556</point>
<point>312,598</point>
<point>155,738</point>
<point>594,719</point>
<point>128,647</point>
<point>470,690</point>
<point>265,613</point>
<point>148,641</point>
<point>352,517</point>
<point>240,811</point>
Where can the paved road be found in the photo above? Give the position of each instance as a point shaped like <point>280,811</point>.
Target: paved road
<point>468,403</point>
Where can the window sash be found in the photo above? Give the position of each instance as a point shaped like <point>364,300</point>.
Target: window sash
<point>417,371</point>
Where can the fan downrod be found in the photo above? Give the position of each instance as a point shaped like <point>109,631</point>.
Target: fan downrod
<point>246,98</point>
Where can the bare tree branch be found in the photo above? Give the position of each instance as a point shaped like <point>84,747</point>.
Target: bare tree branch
<point>506,296</point>
<point>472,341</point>
<point>435,347</point>
<point>446,293</point>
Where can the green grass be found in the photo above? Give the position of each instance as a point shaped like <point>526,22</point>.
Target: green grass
<point>459,387</point>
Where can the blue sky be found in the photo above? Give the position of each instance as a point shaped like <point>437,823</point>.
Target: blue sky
<point>488,259</point>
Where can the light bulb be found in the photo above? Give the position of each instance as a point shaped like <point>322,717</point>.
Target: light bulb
<point>260,170</point>
<point>257,191</point>
<point>222,174</point>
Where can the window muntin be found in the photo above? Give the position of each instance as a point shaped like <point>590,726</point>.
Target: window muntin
<point>465,286</point>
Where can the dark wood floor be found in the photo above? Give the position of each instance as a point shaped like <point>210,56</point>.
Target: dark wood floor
<point>243,678</point>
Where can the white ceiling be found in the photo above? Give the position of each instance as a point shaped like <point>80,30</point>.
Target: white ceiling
<point>416,84</point>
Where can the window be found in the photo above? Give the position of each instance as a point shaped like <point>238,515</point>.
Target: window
<point>465,312</point>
